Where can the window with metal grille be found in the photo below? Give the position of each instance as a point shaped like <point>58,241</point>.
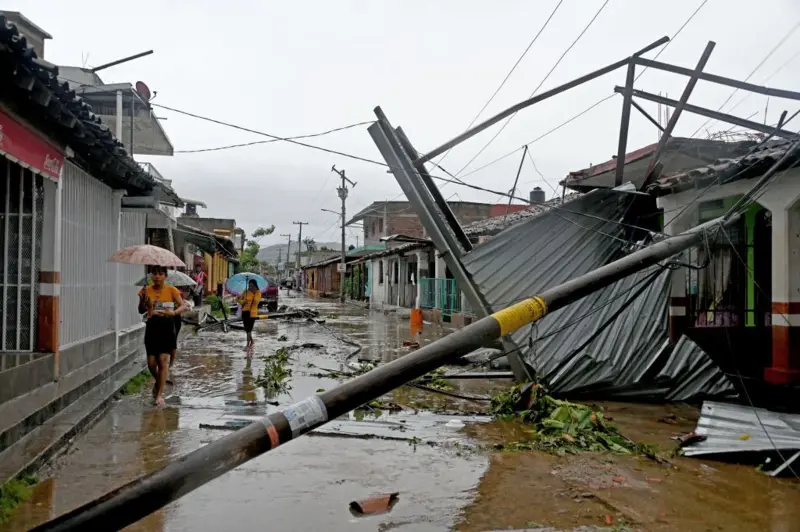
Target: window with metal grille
<point>21,222</point>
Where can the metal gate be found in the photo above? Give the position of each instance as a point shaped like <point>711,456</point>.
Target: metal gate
<point>442,294</point>
<point>22,197</point>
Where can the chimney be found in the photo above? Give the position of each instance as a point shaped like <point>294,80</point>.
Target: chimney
<point>537,195</point>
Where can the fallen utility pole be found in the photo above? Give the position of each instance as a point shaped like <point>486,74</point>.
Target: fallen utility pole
<point>139,498</point>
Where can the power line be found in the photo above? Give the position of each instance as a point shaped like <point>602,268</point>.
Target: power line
<point>598,102</point>
<point>758,66</point>
<point>558,62</point>
<point>513,68</point>
<point>246,144</point>
<point>263,134</point>
<point>775,73</point>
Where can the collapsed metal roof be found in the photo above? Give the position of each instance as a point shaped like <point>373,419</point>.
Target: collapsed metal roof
<point>731,428</point>
<point>628,358</point>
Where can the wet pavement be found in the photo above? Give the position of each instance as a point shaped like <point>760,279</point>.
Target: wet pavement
<point>304,485</point>
<point>445,476</point>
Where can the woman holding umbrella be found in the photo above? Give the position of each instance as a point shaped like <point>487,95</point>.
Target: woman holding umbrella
<point>182,282</point>
<point>162,303</point>
<point>249,302</point>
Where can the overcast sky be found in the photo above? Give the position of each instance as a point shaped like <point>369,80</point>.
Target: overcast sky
<point>293,68</point>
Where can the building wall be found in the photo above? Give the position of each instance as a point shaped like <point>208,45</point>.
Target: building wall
<point>216,271</point>
<point>89,238</point>
<point>401,219</point>
<point>379,280</point>
<point>132,232</point>
<point>781,198</point>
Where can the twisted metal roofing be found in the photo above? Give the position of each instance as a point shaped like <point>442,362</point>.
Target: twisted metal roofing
<point>628,358</point>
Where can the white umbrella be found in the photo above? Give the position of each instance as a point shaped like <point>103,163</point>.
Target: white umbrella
<point>174,277</point>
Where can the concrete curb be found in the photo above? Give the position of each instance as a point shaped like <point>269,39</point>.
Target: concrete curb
<point>39,446</point>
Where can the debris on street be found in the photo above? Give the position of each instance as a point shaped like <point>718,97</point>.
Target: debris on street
<point>730,429</point>
<point>558,426</point>
<point>378,504</point>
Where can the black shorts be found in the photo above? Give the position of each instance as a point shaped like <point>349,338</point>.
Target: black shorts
<point>247,321</point>
<point>159,336</point>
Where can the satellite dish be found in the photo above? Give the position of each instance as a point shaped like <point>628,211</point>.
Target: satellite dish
<point>143,90</point>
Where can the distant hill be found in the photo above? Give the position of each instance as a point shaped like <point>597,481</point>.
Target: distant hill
<point>270,253</point>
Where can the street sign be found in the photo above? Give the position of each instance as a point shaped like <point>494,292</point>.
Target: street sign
<point>341,268</point>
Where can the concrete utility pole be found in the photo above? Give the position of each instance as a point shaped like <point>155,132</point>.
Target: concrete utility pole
<point>288,249</point>
<point>299,245</point>
<point>342,190</point>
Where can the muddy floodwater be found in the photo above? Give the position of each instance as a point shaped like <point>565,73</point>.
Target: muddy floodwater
<point>448,478</point>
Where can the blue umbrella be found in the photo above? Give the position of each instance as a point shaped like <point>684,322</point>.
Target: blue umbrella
<point>237,284</point>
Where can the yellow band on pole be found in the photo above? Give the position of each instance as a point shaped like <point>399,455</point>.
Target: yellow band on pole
<point>520,314</point>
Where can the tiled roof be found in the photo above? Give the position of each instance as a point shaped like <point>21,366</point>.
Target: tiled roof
<point>31,88</point>
<point>491,226</point>
<point>697,150</point>
<point>726,170</point>
<point>611,164</point>
<point>399,250</point>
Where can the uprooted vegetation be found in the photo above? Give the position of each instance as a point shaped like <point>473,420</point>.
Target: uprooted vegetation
<point>13,493</point>
<point>276,374</point>
<point>558,426</point>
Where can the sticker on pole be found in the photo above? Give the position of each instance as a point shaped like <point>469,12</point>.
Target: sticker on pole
<point>305,415</point>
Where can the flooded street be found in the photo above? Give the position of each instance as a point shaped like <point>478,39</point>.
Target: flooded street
<point>305,485</point>
<point>446,477</point>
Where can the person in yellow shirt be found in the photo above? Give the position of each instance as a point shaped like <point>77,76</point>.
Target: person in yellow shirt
<point>161,303</point>
<point>249,301</point>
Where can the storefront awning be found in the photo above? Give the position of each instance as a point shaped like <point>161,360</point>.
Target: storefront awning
<point>28,149</point>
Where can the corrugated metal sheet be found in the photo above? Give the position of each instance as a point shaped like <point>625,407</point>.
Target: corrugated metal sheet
<point>132,233</point>
<point>89,237</point>
<point>731,428</point>
<point>630,357</point>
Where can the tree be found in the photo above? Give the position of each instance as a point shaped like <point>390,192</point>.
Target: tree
<point>310,244</point>
<point>248,260</point>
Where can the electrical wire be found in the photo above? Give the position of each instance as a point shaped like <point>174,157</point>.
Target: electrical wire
<point>736,366</point>
<point>598,102</point>
<point>246,144</point>
<point>728,179</point>
<point>758,66</point>
<point>775,73</point>
<point>510,72</point>
<point>558,62</point>
<point>263,134</point>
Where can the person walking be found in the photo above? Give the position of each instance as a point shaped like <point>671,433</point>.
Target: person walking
<point>249,301</point>
<point>199,277</point>
<point>161,303</point>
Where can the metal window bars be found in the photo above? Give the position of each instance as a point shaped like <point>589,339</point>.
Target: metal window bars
<point>21,225</point>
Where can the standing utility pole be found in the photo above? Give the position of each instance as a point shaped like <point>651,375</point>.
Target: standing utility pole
<point>342,190</point>
<point>288,250</point>
<point>299,244</point>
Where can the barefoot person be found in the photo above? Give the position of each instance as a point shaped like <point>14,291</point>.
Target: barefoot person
<point>249,301</point>
<point>161,303</point>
